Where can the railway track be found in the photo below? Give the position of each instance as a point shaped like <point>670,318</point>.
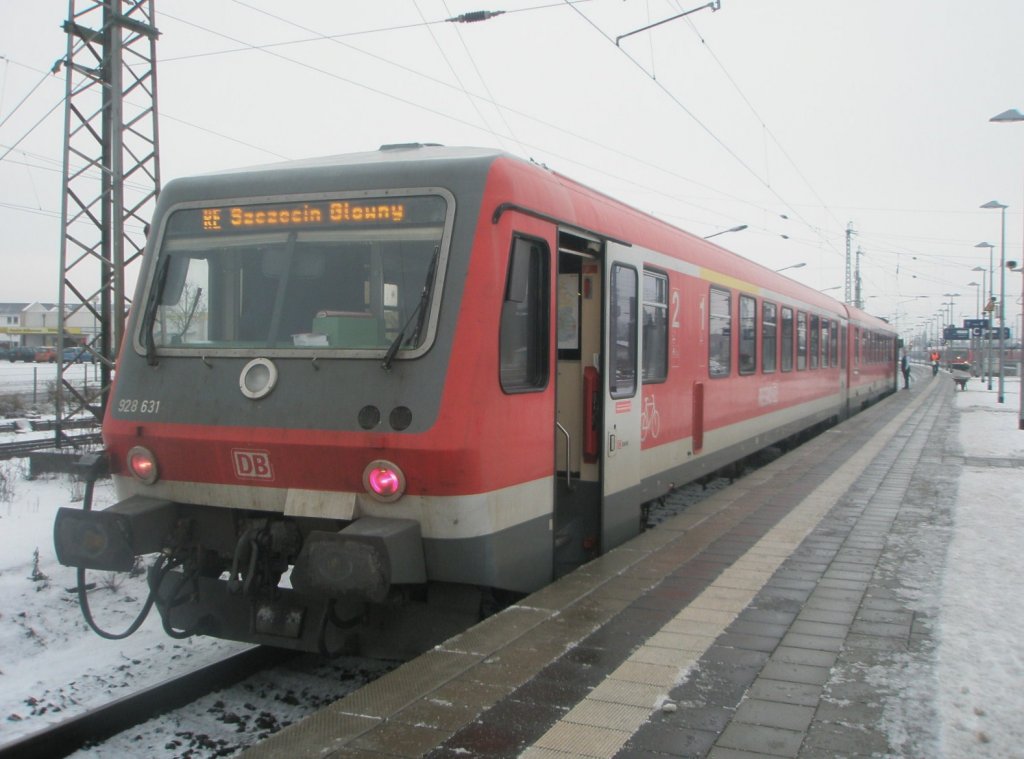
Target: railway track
<point>21,448</point>
<point>99,724</point>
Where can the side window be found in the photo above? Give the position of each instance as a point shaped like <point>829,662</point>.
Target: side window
<point>856,346</point>
<point>801,341</point>
<point>835,344</point>
<point>720,333</point>
<point>622,332</point>
<point>814,342</point>
<point>655,337</point>
<point>826,342</point>
<point>524,332</point>
<point>787,339</point>
<point>769,337</point>
<point>748,335</point>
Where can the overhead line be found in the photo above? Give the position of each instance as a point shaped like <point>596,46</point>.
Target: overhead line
<point>504,108</point>
<point>322,37</point>
<point>732,153</point>
<point>761,121</point>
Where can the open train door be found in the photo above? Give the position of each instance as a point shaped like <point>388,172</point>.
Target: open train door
<point>622,399</point>
<point>579,400</point>
<point>598,407</point>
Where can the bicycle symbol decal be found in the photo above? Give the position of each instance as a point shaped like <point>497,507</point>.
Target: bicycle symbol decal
<point>650,419</point>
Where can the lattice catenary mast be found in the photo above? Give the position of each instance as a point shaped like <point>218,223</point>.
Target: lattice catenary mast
<point>111,180</point>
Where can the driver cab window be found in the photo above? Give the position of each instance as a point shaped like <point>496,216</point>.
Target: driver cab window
<point>524,333</point>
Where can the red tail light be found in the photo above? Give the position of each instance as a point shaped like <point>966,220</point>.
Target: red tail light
<point>384,481</point>
<point>142,464</point>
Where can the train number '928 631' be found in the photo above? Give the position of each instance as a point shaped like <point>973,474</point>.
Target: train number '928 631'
<point>137,406</point>
<point>358,385</point>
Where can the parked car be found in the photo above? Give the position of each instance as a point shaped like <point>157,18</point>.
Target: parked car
<point>77,354</point>
<point>34,353</point>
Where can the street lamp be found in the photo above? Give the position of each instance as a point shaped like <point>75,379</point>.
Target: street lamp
<point>980,292</point>
<point>977,296</point>
<point>951,296</point>
<point>1007,116</point>
<point>1002,290</point>
<point>738,228</point>
<point>988,311</point>
<point>792,266</point>
<point>1014,266</point>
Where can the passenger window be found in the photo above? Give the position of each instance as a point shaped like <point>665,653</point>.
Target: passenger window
<point>826,337</point>
<point>524,333</point>
<point>720,333</point>
<point>814,342</point>
<point>769,338</point>
<point>787,339</point>
<point>801,341</point>
<point>622,332</point>
<point>655,337</point>
<point>748,335</point>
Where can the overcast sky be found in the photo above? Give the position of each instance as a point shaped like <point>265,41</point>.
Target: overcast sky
<point>795,117</point>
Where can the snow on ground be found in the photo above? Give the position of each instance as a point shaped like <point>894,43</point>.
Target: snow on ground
<point>52,665</point>
<point>981,649</point>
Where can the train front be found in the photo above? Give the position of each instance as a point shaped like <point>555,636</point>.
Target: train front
<point>280,385</point>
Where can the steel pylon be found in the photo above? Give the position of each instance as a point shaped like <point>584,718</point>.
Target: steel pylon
<point>111,180</point>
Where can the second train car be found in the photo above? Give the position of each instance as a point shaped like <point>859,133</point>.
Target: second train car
<point>388,378</point>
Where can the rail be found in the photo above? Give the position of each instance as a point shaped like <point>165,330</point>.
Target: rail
<point>21,448</point>
<point>103,722</point>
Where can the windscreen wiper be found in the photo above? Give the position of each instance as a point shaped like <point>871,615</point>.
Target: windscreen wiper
<point>420,311</point>
<point>149,318</point>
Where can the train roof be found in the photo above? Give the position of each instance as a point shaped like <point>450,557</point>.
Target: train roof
<point>416,163</point>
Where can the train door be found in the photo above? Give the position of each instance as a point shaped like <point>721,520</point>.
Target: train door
<point>598,399</point>
<point>579,408</point>
<point>623,400</point>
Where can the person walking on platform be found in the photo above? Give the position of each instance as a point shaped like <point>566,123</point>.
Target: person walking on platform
<point>905,368</point>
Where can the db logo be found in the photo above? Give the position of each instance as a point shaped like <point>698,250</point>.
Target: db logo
<point>252,465</point>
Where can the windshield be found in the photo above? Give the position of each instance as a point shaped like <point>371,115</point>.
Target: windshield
<point>338,274</point>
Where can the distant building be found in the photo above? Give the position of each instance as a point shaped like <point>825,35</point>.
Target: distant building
<point>36,324</point>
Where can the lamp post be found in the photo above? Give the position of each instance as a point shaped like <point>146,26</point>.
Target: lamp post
<point>1019,268</point>
<point>1007,116</point>
<point>977,297</point>
<point>738,228</point>
<point>991,279</point>
<point>1002,290</point>
<point>951,296</point>
<point>792,266</point>
<point>975,345</point>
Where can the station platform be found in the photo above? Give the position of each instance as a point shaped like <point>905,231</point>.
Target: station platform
<point>759,622</point>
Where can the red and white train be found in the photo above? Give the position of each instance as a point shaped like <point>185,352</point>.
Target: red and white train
<point>422,372</point>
